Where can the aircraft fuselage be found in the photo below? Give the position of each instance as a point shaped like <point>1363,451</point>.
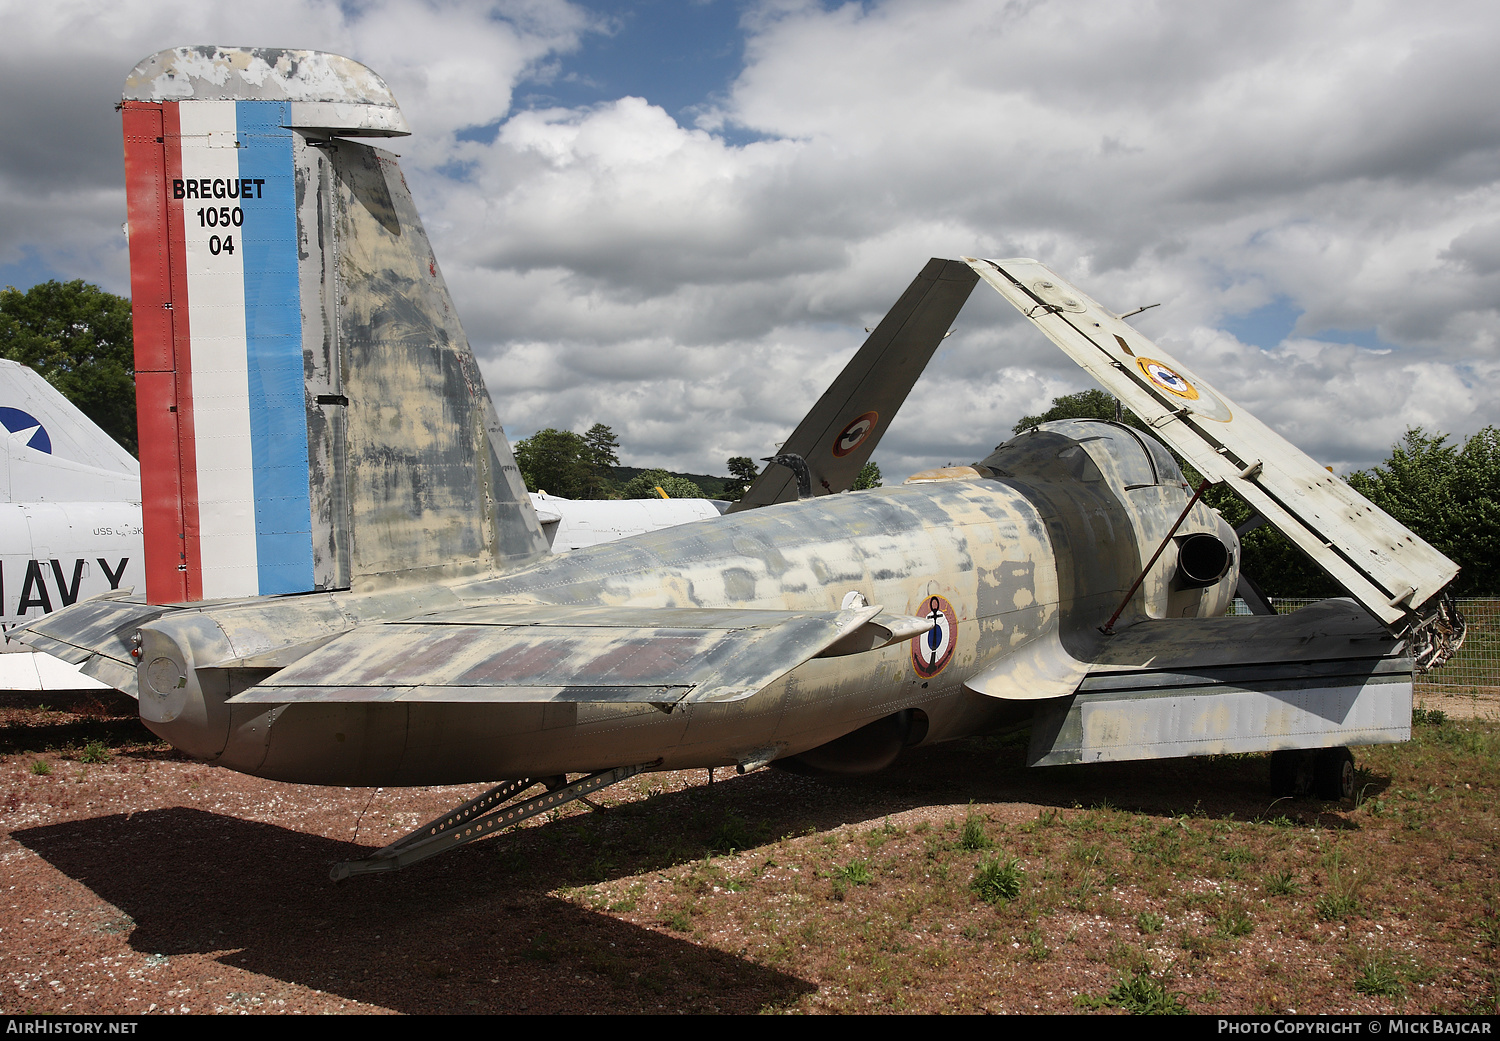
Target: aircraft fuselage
<point>998,563</point>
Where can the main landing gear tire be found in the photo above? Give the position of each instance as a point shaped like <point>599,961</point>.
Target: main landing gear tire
<point>1327,773</point>
<point>1334,772</point>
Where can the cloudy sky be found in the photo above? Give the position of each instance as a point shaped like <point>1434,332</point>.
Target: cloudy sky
<point>676,216</point>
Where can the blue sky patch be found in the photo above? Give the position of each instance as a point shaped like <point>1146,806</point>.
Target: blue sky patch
<point>29,270</point>
<point>1266,326</point>
<point>674,53</point>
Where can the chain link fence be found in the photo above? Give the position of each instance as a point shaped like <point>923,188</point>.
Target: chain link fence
<point>1475,669</point>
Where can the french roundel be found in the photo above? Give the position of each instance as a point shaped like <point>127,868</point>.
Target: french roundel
<point>854,434</point>
<point>17,422</point>
<point>1166,378</point>
<point>931,651</point>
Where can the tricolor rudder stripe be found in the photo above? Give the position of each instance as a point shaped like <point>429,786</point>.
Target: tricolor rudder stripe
<point>231,397</point>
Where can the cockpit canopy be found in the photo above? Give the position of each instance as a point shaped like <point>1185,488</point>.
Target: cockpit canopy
<point>1088,448</point>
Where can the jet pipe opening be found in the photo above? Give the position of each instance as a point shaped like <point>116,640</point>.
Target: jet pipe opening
<point>1202,559</point>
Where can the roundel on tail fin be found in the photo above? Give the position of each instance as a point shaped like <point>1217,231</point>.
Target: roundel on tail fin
<point>26,428</point>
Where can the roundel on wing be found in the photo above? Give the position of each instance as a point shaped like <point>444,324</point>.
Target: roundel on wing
<point>933,650</point>
<point>853,435</point>
<point>19,424</point>
<point>1167,378</point>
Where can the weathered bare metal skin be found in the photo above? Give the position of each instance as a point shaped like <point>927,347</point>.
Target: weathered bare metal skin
<point>432,488</point>
<point>330,91</point>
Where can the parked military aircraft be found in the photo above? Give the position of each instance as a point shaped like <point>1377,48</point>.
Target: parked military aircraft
<point>346,583</point>
<point>70,520</point>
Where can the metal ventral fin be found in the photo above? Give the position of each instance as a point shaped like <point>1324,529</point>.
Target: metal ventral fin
<point>1384,566</point>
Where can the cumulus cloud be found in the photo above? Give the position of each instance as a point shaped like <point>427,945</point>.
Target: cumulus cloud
<point>696,286</point>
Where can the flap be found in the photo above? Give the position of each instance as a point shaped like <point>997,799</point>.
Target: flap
<point>1383,565</point>
<point>530,653</point>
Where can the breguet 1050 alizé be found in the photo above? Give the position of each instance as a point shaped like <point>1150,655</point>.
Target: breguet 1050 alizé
<point>346,583</point>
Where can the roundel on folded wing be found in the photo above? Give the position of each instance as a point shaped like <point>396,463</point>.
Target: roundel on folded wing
<point>1199,400</point>
<point>853,435</point>
<point>19,423</point>
<point>1167,378</point>
<point>933,650</point>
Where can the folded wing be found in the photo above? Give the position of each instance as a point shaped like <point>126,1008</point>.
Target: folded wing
<point>1389,570</point>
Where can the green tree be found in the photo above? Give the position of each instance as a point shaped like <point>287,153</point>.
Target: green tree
<point>556,461</point>
<point>604,452</point>
<point>643,486</point>
<point>742,474</point>
<point>869,476</point>
<point>78,337</point>
<point>604,447</point>
<point>1447,495</point>
<point>1086,404</point>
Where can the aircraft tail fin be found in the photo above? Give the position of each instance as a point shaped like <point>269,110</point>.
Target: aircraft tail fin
<point>1387,568</point>
<point>837,437</point>
<point>53,452</point>
<point>309,408</point>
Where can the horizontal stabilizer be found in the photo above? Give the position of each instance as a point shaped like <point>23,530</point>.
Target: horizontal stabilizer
<point>103,625</point>
<point>1384,566</point>
<point>528,653</point>
<point>96,635</point>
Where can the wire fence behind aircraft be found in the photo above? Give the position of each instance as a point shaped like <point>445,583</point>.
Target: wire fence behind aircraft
<point>1476,666</point>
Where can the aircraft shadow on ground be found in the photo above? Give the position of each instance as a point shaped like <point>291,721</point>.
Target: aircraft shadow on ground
<point>458,936</point>
<point>477,931</point>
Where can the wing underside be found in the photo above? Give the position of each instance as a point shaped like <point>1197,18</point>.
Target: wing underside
<point>1384,566</point>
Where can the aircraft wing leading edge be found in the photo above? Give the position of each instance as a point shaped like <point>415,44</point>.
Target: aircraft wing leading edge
<point>1387,568</point>
<point>838,436</point>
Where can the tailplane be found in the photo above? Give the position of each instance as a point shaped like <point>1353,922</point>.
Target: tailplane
<point>310,411</point>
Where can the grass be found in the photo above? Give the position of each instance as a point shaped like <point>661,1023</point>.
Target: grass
<point>1140,994</point>
<point>1149,923</point>
<point>973,837</point>
<point>997,880</point>
<point>1282,883</point>
<point>1377,977</point>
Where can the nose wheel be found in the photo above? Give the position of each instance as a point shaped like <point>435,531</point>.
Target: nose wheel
<point>1327,773</point>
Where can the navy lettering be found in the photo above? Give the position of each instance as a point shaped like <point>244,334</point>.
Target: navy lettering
<point>113,576</point>
<point>34,589</point>
<point>69,594</point>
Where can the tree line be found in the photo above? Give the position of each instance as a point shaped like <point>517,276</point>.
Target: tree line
<point>585,466</point>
